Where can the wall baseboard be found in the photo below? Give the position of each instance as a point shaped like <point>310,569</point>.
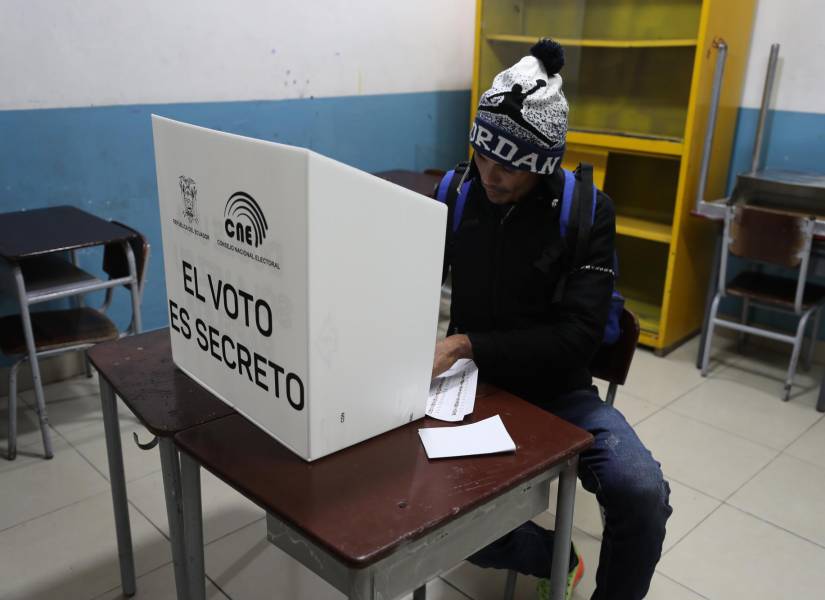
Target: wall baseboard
<point>53,369</point>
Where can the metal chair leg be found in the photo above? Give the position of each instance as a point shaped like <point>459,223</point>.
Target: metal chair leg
<point>809,359</point>
<point>510,585</point>
<point>420,593</point>
<point>709,337</point>
<point>743,337</point>
<point>797,347</point>
<point>11,453</point>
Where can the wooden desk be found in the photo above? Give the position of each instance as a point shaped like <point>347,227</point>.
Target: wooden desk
<point>379,519</point>
<point>139,369</point>
<point>35,234</point>
<point>406,510</point>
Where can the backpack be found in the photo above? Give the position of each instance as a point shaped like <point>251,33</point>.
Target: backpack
<point>582,201</point>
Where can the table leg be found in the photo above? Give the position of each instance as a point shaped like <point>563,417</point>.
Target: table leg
<point>420,593</point>
<point>25,318</point>
<point>564,530</point>
<point>510,585</point>
<point>820,404</point>
<point>193,525</point>
<point>170,466</point>
<point>713,285</point>
<point>117,481</point>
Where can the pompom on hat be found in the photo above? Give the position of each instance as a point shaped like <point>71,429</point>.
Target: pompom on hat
<point>522,120</point>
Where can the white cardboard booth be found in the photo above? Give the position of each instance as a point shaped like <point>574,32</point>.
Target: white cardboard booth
<point>303,292</point>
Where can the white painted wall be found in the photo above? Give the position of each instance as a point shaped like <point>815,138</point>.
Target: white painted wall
<point>60,53</point>
<point>798,26</point>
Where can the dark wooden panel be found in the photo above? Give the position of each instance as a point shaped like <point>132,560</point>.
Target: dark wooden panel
<point>165,399</point>
<point>400,495</point>
<point>57,228</point>
<point>56,329</point>
<point>423,183</point>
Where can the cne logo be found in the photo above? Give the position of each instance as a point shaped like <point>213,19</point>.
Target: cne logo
<point>244,219</point>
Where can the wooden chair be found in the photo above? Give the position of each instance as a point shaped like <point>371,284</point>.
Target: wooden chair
<point>771,237</point>
<point>66,330</point>
<point>611,364</point>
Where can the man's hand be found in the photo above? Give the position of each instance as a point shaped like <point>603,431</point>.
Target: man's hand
<point>449,350</point>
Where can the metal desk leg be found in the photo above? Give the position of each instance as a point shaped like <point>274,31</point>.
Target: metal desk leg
<point>420,593</point>
<point>564,530</point>
<point>25,317</point>
<point>193,525</point>
<point>174,512</point>
<point>117,481</point>
<point>713,285</point>
<point>820,404</point>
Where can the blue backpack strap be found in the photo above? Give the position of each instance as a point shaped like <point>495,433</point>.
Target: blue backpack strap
<point>442,194</point>
<point>444,185</point>
<point>566,200</point>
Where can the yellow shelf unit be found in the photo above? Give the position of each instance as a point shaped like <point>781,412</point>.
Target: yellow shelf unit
<point>638,77</point>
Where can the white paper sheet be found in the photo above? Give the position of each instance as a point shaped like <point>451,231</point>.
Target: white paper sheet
<point>453,393</point>
<point>485,437</point>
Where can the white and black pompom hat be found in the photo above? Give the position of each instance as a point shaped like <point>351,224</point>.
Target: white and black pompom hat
<point>522,120</point>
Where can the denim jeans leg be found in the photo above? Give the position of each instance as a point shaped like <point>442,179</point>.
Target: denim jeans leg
<point>629,485</point>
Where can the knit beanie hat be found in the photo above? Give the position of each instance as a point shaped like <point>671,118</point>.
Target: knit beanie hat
<point>522,120</point>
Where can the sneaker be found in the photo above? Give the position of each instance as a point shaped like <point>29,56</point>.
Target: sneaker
<point>573,578</point>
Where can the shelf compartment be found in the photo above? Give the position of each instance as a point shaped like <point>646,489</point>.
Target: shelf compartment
<point>594,19</point>
<point>643,189</point>
<point>644,230</point>
<point>642,270</point>
<point>595,43</point>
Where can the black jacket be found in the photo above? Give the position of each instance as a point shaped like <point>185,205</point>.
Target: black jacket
<point>505,264</point>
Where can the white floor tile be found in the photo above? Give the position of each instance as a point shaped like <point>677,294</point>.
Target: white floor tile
<point>28,428</point>
<point>42,486</point>
<point>789,493</point>
<point>689,509</point>
<point>659,380</point>
<point>733,555</point>
<point>662,588</point>
<point>700,456</point>
<point>72,553</point>
<point>765,369</point>
<point>224,510</point>
<point>751,410</point>
<point>90,441</point>
<point>247,567</point>
<point>159,585</point>
<point>811,445</point>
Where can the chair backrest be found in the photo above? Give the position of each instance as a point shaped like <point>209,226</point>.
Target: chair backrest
<point>612,363</point>
<point>115,263</point>
<point>769,236</point>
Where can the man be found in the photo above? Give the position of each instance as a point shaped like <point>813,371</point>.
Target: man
<point>532,320</point>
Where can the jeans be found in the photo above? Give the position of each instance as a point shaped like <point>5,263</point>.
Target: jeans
<point>628,484</point>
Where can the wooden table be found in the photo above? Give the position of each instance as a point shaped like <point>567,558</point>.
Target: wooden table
<point>140,370</point>
<point>36,234</point>
<point>375,520</point>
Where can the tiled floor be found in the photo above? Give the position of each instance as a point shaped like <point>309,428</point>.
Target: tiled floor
<point>747,474</point>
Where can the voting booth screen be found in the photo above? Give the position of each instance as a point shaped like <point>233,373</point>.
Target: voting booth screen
<point>301,291</point>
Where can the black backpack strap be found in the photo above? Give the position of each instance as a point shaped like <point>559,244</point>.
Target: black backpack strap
<point>584,199</point>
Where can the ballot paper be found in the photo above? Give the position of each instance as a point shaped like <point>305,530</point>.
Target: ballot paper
<point>453,393</point>
<point>485,437</point>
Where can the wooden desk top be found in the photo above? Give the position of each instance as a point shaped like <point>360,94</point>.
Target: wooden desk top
<point>54,229</point>
<point>364,501</point>
<point>165,399</point>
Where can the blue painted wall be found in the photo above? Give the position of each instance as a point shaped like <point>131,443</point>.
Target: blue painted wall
<point>101,159</point>
<point>794,141</point>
